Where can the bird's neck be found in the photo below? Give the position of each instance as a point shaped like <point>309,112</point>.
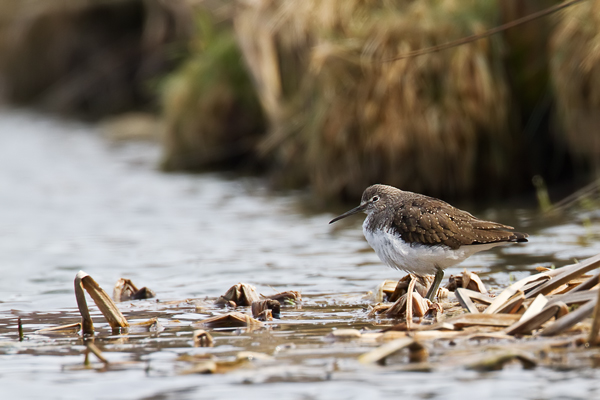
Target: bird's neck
<point>381,220</point>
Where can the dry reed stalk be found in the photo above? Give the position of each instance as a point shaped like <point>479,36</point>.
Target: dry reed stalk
<point>462,295</point>
<point>111,312</point>
<point>593,337</point>
<point>409,304</point>
<point>575,71</point>
<point>92,348</point>
<point>341,119</point>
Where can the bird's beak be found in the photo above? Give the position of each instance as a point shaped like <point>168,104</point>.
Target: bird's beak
<point>355,210</point>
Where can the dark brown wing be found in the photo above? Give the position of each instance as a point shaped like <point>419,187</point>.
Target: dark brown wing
<point>426,220</point>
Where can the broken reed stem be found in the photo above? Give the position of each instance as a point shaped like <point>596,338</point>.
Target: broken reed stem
<point>409,303</point>
<point>87,325</point>
<point>20,327</point>
<point>593,339</point>
<point>109,309</point>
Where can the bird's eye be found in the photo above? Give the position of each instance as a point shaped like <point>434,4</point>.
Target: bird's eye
<point>375,198</point>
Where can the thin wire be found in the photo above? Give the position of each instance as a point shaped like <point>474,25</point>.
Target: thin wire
<point>473,38</point>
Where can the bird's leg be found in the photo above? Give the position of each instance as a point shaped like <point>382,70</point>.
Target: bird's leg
<point>439,275</point>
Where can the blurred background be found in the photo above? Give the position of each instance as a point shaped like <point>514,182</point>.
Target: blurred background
<point>302,92</point>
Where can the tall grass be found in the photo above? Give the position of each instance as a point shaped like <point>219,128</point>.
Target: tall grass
<point>342,117</point>
<point>575,69</point>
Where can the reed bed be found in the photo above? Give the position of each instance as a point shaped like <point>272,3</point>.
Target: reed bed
<point>342,117</point>
<point>575,70</point>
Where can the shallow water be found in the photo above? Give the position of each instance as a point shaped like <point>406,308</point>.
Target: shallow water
<point>72,201</point>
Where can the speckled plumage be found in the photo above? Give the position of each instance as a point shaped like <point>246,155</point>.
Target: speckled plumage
<point>417,218</point>
<point>424,235</point>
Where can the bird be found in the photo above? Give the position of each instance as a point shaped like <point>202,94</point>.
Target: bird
<point>423,235</point>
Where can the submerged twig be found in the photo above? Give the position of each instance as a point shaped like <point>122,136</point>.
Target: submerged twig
<point>20,327</point>
<point>91,347</point>
<point>497,362</point>
<point>379,354</point>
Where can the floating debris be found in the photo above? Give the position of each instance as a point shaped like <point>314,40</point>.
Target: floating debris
<point>108,308</point>
<point>151,325</point>
<point>417,352</point>
<point>266,310</point>
<point>202,338</point>
<point>421,285</point>
<point>497,361</point>
<point>125,290</point>
<point>288,297</point>
<point>468,280</point>
<point>231,320</point>
<point>554,319</point>
<point>69,328</point>
<point>238,295</point>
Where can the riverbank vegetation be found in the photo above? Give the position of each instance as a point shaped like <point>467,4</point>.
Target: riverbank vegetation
<point>307,91</point>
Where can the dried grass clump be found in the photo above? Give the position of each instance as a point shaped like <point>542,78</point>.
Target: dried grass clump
<point>575,70</point>
<point>212,114</point>
<point>341,118</point>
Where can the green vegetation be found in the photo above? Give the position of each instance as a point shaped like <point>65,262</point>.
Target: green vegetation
<point>212,113</point>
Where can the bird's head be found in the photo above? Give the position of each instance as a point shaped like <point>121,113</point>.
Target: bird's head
<point>374,199</point>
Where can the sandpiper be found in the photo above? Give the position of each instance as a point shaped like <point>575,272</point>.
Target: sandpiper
<point>423,235</point>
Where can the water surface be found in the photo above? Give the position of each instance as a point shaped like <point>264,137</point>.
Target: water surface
<point>72,201</point>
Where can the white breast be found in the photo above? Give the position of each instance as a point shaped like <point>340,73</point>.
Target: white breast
<point>417,258</point>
